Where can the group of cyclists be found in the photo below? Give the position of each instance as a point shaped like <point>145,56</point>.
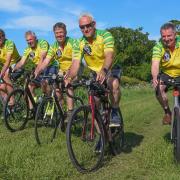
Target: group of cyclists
<point>96,47</point>
<point>65,56</point>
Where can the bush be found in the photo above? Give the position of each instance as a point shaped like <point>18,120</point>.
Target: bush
<point>141,72</point>
<point>127,81</point>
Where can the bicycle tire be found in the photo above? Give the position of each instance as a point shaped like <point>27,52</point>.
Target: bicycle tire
<point>176,127</point>
<point>81,147</point>
<point>16,116</point>
<point>117,136</point>
<point>46,124</point>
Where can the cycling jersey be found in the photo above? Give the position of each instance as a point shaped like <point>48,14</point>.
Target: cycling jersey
<point>63,55</point>
<point>9,47</point>
<point>93,53</point>
<point>170,61</point>
<point>34,54</point>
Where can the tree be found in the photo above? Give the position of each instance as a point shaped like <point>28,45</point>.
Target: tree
<point>133,51</point>
<point>177,23</point>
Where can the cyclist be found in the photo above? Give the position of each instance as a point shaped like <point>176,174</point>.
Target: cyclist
<point>167,54</point>
<point>64,51</point>
<point>97,48</point>
<point>8,56</point>
<point>35,53</point>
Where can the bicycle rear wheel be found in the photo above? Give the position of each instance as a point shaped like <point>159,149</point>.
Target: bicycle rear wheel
<point>176,134</point>
<point>47,120</point>
<point>16,115</point>
<point>83,148</point>
<point>117,137</point>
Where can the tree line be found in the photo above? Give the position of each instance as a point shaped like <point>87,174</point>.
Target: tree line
<point>133,51</point>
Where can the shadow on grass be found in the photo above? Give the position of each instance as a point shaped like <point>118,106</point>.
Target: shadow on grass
<point>167,137</point>
<point>131,140</point>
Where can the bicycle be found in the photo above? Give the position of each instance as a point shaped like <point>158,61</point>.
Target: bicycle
<point>17,115</point>
<point>13,77</point>
<point>88,129</point>
<point>175,124</point>
<point>50,114</point>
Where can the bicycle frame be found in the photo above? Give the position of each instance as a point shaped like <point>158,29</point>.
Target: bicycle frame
<point>55,98</point>
<point>176,95</point>
<point>92,102</point>
<point>27,92</point>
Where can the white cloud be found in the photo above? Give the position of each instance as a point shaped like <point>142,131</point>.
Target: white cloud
<point>43,23</point>
<point>74,10</point>
<point>14,6</point>
<point>48,3</point>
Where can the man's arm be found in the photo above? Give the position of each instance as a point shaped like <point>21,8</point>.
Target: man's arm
<point>73,70</point>
<point>44,65</point>
<point>155,72</point>
<point>20,64</point>
<point>6,64</point>
<point>109,56</point>
<point>42,57</point>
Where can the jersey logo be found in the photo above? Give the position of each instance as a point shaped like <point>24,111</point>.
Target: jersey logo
<point>87,50</point>
<point>167,56</point>
<point>32,55</point>
<point>59,53</point>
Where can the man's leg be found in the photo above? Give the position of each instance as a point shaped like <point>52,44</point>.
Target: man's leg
<point>115,94</point>
<point>32,87</point>
<point>8,87</point>
<point>2,91</point>
<point>70,104</point>
<point>163,100</point>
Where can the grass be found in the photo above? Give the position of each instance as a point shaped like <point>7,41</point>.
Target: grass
<point>148,152</point>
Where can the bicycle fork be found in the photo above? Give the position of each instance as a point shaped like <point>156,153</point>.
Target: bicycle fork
<point>176,95</point>
<point>92,105</point>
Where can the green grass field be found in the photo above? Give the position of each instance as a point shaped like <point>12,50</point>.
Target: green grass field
<point>148,152</point>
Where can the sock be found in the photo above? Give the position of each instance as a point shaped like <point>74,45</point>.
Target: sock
<point>115,109</point>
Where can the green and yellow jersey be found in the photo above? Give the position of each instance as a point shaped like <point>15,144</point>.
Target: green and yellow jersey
<point>34,55</point>
<point>9,47</point>
<point>93,53</point>
<point>63,55</point>
<point>169,61</point>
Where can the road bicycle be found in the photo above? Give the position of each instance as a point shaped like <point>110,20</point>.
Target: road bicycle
<point>88,129</point>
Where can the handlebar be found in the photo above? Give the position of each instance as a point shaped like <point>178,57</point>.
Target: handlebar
<point>92,85</point>
<point>175,82</point>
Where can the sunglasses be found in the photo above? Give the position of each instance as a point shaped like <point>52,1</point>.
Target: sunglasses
<point>87,25</point>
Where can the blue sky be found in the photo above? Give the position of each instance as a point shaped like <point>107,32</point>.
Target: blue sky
<point>18,16</point>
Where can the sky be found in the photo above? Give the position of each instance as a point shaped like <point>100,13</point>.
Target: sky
<point>19,16</point>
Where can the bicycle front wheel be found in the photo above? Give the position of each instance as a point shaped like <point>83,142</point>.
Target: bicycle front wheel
<point>46,121</point>
<point>16,115</point>
<point>85,145</point>
<point>176,129</point>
